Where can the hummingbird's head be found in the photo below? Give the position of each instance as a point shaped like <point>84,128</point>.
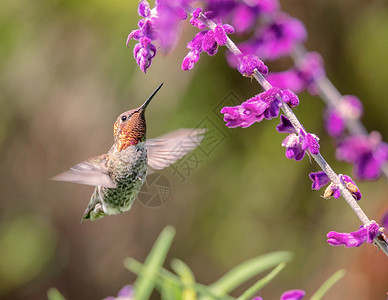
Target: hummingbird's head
<point>130,127</point>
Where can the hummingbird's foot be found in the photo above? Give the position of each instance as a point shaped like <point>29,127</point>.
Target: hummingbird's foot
<point>94,212</point>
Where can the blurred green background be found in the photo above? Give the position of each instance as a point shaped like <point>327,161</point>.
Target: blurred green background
<point>65,77</point>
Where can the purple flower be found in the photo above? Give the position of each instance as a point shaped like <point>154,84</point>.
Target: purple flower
<point>296,145</point>
<point>349,108</point>
<point>367,153</point>
<point>292,295</point>
<point>249,63</point>
<point>204,41</point>
<point>158,24</point>
<point>126,293</point>
<point>354,239</point>
<point>264,105</point>
<point>143,52</point>
<point>303,76</point>
<point>320,179</point>
<point>279,38</point>
<point>245,15</point>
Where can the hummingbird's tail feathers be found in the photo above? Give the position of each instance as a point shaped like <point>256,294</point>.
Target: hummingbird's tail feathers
<point>90,172</point>
<point>169,148</point>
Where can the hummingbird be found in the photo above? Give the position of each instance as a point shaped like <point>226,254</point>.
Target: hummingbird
<point>119,174</point>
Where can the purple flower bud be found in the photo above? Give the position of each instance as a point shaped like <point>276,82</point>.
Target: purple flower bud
<point>143,52</point>
<point>220,35</point>
<point>144,9</point>
<point>197,12</point>
<point>249,63</point>
<point>319,179</point>
<point>189,60</point>
<point>367,153</point>
<point>292,295</point>
<point>194,20</point>
<point>290,98</point>
<point>209,44</point>
<point>354,239</point>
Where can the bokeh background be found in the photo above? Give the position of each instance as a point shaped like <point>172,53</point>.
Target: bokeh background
<point>65,75</point>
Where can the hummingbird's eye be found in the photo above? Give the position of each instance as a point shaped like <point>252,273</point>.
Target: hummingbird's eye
<point>123,118</point>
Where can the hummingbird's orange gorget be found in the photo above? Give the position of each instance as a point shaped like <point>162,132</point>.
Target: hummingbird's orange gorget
<point>132,132</point>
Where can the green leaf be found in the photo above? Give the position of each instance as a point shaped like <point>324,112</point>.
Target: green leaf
<point>170,290</point>
<point>136,267</point>
<point>249,293</point>
<point>187,278</point>
<point>54,294</point>
<point>248,269</point>
<point>146,279</point>
<point>328,284</point>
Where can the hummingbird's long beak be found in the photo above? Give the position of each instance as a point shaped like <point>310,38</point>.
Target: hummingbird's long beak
<point>150,98</point>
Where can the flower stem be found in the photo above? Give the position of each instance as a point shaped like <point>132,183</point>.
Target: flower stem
<point>381,243</point>
<point>332,97</point>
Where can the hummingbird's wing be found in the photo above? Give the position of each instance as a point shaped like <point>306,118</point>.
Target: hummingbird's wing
<point>169,148</point>
<point>91,172</point>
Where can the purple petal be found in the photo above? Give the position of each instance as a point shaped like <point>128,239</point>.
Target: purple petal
<point>293,147</point>
<point>273,110</point>
<point>349,240</point>
<point>285,125</point>
<point>319,179</point>
<point>126,291</point>
<point>292,295</point>
<point>336,192</point>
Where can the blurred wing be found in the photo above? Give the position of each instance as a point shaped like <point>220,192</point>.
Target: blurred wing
<point>167,149</point>
<point>91,172</point>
